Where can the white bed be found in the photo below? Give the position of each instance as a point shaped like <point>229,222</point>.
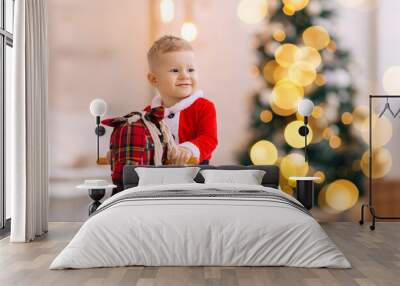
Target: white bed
<point>225,225</point>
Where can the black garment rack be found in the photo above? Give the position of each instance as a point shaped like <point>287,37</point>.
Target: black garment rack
<point>370,205</point>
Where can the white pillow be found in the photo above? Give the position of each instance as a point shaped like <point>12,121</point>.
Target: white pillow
<point>162,176</point>
<point>248,177</point>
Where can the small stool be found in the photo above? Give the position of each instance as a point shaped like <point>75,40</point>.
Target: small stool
<point>305,190</point>
<point>96,193</point>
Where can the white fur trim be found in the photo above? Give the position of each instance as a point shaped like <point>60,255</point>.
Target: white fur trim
<point>184,103</point>
<point>192,147</point>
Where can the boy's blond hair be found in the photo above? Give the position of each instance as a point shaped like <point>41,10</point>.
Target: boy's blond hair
<point>166,44</point>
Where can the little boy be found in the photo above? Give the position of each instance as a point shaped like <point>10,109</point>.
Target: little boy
<point>190,117</point>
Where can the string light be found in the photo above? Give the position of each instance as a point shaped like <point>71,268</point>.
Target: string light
<point>252,11</point>
<point>320,80</point>
<point>341,195</point>
<point>167,10</point>
<point>381,160</point>
<point>296,5</point>
<point>316,37</point>
<point>391,82</point>
<point>382,130</point>
<point>302,73</point>
<point>189,31</point>
<point>288,10</point>
<point>335,142</point>
<point>279,35</point>
<point>285,55</point>
<point>320,175</point>
<point>347,118</point>
<point>317,112</point>
<point>286,94</point>
<point>263,153</point>
<point>293,164</point>
<point>266,116</point>
<point>268,71</point>
<point>309,55</point>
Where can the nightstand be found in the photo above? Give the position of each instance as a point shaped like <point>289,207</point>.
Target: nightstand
<point>97,190</point>
<point>305,190</point>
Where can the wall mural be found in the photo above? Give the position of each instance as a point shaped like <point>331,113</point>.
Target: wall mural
<point>303,116</point>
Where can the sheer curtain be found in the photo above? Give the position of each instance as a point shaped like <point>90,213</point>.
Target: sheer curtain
<point>28,123</point>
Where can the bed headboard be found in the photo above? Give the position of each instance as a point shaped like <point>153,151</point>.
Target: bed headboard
<point>270,179</point>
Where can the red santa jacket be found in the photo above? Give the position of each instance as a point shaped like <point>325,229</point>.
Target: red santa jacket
<point>193,124</point>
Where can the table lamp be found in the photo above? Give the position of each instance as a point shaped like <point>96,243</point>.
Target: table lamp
<point>98,108</point>
<point>305,108</point>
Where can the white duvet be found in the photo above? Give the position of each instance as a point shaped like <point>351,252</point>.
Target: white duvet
<point>200,231</point>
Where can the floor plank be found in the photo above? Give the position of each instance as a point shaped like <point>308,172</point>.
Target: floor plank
<point>375,257</point>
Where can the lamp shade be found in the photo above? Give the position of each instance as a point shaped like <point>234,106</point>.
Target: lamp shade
<point>98,107</point>
<point>305,107</point>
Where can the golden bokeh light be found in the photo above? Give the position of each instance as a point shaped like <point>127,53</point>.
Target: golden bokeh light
<point>285,55</point>
<point>279,35</point>
<point>320,175</point>
<point>299,116</point>
<point>266,116</point>
<point>341,195</point>
<point>268,71</point>
<point>360,113</point>
<point>382,130</point>
<point>335,142</point>
<point>327,133</point>
<point>286,94</point>
<point>391,82</point>
<point>167,10</point>
<point>288,10</point>
<point>316,37</point>
<point>293,164</point>
<point>291,183</point>
<point>322,199</point>
<point>280,73</point>
<point>347,118</point>
<point>296,4</point>
<point>252,11</point>
<point>320,80</point>
<point>287,189</point>
<point>302,73</point>
<point>293,137</point>
<point>309,55</point>
<point>381,160</point>
<point>282,112</point>
<point>317,112</point>
<point>263,153</point>
<point>331,46</point>
<point>189,31</point>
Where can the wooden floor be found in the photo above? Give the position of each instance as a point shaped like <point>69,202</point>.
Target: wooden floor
<point>375,257</point>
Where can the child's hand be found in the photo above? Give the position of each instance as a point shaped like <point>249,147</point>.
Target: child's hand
<point>181,157</point>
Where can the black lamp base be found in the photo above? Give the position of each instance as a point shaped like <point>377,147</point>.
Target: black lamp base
<point>96,195</point>
<point>305,192</point>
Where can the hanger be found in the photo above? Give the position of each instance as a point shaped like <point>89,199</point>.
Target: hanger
<point>387,106</point>
<point>397,113</point>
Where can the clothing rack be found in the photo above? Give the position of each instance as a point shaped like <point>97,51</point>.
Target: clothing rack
<point>370,205</point>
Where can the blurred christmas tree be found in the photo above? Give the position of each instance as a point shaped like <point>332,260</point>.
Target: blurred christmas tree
<point>299,59</point>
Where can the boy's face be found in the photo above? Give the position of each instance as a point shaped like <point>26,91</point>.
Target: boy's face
<point>174,75</point>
